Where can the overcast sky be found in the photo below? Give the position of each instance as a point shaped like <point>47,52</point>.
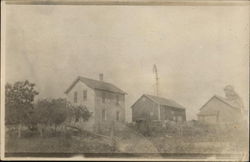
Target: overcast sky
<point>198,50</point>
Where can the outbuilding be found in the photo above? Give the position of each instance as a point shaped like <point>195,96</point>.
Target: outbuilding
<point>154,108</point>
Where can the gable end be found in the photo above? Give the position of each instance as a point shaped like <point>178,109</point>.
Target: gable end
<point>141,98</point>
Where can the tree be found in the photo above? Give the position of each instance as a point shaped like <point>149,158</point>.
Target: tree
<point>80,112</point>
<point>51,112</point>
<point>19,99</point>
<point>59,111</point>
<point>54,112</point>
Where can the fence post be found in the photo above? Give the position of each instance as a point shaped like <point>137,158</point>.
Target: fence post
<point>98,127</point>
<point>112,136</point>
<point>19,130</point>
<point>181,130</point>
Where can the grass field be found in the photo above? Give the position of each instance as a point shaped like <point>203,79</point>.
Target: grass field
<point>128,141</point>
<point>57,143</point>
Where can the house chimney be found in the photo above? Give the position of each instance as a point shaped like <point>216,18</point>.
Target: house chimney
<point>101,76</point>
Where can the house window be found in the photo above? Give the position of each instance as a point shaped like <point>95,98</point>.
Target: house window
<point>103,97</point>
<point>179,118</point>
<point>117,115</point>
<point>117,100</point>
<point>75,97</point>
<point>84,95</point>
<point>104,117</point>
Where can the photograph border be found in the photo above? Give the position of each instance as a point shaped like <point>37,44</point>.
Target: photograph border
<point>108,156</point>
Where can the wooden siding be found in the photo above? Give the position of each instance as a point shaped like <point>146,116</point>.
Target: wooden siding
<point>79,88</point>
<point>143,108</point>
<point>89,103</point>
<point>147,109</point>
<point>110,106</point>
<point>171,113</point>
<point>95,105</point>
<point>217,111</point>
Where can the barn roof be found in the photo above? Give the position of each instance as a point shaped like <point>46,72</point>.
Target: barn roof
<point>165,101</point>
<point>96,84</point>
<point>162,101</point>
<point>231,103</point>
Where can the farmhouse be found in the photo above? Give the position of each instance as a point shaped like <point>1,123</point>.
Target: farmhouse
<point>219,110</point>
<point>104,100</point>
<point>153,108</point>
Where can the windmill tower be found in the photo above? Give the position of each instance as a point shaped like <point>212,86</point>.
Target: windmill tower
<point>233,96</point>
<point>156,80</point>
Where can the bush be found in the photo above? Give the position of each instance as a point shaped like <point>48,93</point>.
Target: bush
<point>19,99</point>
<point>79,112</point>
<point>55,112</point>
<point>51,111</point>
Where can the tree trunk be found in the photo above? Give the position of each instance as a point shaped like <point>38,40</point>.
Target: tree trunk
<point>19,130</point>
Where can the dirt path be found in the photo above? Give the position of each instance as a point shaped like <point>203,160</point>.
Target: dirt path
<point>136,145</point>
<point>134,142</point>
<point>131,141</point>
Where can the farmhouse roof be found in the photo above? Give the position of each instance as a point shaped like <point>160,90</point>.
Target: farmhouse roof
<point>162,101</point>
<point>96,84</point>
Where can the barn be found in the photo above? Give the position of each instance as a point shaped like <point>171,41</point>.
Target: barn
<point>219,110</point>
<point>154,108</point>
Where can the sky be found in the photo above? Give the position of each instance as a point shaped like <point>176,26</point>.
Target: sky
<point>198,50</point>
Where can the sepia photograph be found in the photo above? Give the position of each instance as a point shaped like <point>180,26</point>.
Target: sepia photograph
<point>125,80</point>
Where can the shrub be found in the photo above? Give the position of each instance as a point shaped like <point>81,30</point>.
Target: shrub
<point>19,99</point>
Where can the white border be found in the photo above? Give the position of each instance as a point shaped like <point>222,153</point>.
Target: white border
<point>89,2</point>
<point>3,29</point>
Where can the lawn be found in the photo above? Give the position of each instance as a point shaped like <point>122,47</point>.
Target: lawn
<point>127,141</point>
<point>58,143</point>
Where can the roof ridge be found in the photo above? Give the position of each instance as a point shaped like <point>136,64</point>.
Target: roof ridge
<point>96,84</point>
<point>225,100</point>
<point>219,96</point>
<point>156,96</point>
<point>177,105</point>
<point>161,97</point>
<point>93,79</point>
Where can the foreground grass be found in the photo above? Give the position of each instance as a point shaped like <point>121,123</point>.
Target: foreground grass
<point>209,143</point>
<point>56,144</point>
<point>129,141</point>
<point>201,144</point>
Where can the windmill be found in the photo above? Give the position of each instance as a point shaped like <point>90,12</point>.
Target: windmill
<point>156,80</point>
<point>233,96</point>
